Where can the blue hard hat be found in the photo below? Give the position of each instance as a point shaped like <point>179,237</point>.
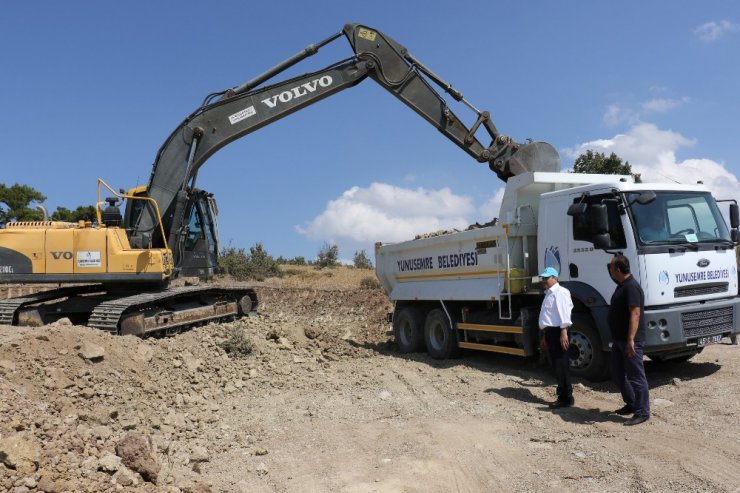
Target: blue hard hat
<point>549,272</point>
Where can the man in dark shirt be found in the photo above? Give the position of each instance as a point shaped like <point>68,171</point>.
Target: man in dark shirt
<point>627,324</point>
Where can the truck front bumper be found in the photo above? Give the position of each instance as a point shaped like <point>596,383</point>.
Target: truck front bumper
<point>692,325</point>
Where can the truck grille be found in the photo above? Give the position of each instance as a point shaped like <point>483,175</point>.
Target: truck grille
<point>707,322</point>
<point>701,289</point>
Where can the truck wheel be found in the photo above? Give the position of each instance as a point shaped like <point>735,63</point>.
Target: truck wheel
<point>440,338</point>
<point>408,329</point>
<point>587,359</point>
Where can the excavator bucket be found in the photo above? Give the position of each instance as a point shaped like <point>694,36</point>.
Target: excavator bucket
<point>534,156</point>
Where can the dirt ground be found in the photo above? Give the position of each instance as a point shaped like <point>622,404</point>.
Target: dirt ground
<point>325,403</point>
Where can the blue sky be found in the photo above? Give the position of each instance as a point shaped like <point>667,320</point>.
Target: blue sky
<point>92,89</point>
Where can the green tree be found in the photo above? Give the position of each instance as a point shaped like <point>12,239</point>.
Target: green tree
<point>234,262</point>
<point>258,264</point>
<point>15,203</point>
<point>328,256</point>
<point>262,263</point>
<point>83,212</point>
<point>597,162</point>
<point>291,261</point>
<point>362,261</point>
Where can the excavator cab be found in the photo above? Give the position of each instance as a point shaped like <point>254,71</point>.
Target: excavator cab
<point>197,253</point>
<point>195,247</point>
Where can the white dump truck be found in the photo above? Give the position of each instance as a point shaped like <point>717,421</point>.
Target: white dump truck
<point>478,289</point>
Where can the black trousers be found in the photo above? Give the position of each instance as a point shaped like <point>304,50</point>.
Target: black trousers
<point>629,375</point>
<point>560,362</point>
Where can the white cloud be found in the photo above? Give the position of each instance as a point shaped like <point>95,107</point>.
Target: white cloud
<point>492,206</point>
<point>652,152</point>
<point>383,212</point>
<point>660,105</point>
<point>710,31</point>
<point>643,146</point>
<point>631,114</point>
<point>616,115</point>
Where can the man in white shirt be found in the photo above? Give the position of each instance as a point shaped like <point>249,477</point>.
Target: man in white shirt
<point>555,321</point>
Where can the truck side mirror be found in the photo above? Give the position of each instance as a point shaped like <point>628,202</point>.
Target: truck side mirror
<point>646,197</point>
<point>598,218</point>
<point>735,235</point>
<point>734,216</point>
<point>578,209</point>
<point>602,241</point>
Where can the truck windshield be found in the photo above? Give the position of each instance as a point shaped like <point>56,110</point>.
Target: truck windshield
<point>678,217</point>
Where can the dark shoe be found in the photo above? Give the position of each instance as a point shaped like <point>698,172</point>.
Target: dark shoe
<point>636,420</point>
<point>625,410</point>
<point>558,404</point>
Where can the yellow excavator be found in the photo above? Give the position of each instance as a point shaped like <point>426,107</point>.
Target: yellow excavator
<point>114,272</point>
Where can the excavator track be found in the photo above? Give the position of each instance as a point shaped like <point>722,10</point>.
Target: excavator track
<point>171,310</point>
<point>160,312</point>
<point>9,308</point>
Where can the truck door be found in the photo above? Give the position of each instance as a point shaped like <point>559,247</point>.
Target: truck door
<point>552,238</point>
<point>588,265</point>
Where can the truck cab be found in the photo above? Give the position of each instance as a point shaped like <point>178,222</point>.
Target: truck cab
<point>680,251</point>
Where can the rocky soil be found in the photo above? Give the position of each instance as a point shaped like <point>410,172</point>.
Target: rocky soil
<point>324,403</point>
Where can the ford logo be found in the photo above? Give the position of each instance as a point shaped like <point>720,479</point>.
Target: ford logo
<point>702,263</point>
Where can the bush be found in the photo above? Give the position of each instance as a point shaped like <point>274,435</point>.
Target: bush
<point>234,261</point>
<point>258,264</point>
<point>291,261</point>
<point>328,256</point>
<point>369,283</point>
<point>237,343</point>
<point>263,264</point>
<point>362,261</point>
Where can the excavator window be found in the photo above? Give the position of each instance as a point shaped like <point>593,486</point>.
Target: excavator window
<point>133,211</point>
<point>195,229</point>
<point>212,239</point>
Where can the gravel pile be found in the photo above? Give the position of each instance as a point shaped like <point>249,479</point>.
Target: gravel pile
<point>84,411</point>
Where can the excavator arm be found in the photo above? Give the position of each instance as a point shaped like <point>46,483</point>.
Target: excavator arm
<point>217,124</point>
<point>236,112</point>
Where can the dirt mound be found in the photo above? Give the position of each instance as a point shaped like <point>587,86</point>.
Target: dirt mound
<point>320,401</point>
<point>72,395</point>
<point>332,318</point>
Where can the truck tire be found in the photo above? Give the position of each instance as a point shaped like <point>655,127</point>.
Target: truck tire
<point>440,338</point>
<point>408,329</point>
<point>587,359</point>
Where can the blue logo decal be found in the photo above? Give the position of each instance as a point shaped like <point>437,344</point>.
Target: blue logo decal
<point>663,277</point>
<point>552,257</point>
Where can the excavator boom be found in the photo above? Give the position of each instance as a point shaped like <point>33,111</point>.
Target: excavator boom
<point>233,113</point>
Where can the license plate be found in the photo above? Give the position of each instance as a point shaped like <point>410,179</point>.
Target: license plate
<point>706,341</point>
